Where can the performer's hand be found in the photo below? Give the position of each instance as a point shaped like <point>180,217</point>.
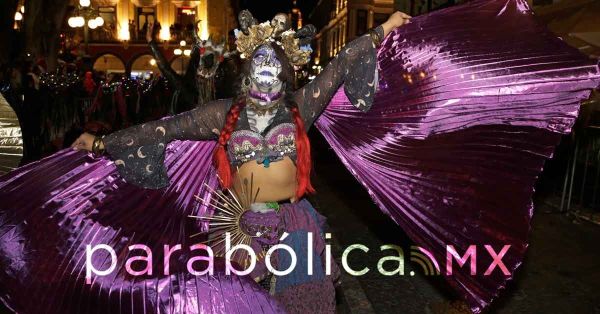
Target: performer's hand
<point>84,142</point>
<point>150,31</point>
<point>395,20</point>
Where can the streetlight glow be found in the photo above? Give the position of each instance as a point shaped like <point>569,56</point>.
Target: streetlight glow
<point>177,52</point>
<point>84,3</point>
<point>92,24</point>
<point>182,43</point>
<point>187,52</point>
<point>18,16</point>
<point>99,21</point>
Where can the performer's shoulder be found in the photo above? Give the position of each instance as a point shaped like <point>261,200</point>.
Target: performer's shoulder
<point>224,103</point>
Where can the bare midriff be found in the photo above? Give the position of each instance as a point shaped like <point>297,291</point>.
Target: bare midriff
<point>274,183</point>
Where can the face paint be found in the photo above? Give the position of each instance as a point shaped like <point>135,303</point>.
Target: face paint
<point>265,67</point>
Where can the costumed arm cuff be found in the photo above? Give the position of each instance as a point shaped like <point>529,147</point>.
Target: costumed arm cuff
<point>139,151</point>
<point>142,165</point>
<point>355,66</point>
<point>361,79</point>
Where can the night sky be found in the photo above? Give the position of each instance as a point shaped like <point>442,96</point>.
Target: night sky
<point>265,9</point>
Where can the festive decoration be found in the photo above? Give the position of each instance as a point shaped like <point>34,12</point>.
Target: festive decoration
<point>211,55</point>
<point>59,81</point>
<point>11,141</point>
<point>295,44</point>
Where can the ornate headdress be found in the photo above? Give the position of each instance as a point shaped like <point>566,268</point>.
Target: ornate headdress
<point>207,48</point>
<point>251,35</point>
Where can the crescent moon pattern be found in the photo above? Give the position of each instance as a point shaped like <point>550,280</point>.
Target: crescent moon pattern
<point>130,156</point>
<point>361,103</point>
<point>372,83</point>
<point>119,162</point>
<point>139,153</point>
<point>161,145</point>
<point>130,142</point>
<point>148,169</point>
<point>349,50</point>
<point>317,93</point>
<point>160,128</point>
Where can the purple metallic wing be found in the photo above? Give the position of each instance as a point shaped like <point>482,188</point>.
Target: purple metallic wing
<point>472,101</point>
<point>51,209</point>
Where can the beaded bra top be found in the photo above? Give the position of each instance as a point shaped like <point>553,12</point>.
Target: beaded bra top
<point>247,145</point>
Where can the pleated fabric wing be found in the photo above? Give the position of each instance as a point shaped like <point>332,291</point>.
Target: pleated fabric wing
<point>52,209</point>
<point>472,101</point>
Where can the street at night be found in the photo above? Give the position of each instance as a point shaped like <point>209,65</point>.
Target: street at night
<point>299,156</point>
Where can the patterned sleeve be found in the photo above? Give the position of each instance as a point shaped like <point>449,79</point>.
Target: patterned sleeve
<point>139,151</point>
<point>355,66</point>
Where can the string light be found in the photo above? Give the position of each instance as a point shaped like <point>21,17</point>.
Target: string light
<point>59,81</point>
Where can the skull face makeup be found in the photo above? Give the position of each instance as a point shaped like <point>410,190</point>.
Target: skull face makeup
<point>266,67</point>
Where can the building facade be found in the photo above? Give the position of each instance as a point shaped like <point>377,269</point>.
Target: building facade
<point>119,45</point>
<point>340,21</point>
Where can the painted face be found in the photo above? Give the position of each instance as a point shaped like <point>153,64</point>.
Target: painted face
<point>265,67</point>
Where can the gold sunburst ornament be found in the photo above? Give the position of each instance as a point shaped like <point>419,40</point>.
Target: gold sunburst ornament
<point>229,210</point>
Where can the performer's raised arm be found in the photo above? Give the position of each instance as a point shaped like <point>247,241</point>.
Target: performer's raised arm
<point>355,66</point>
<point>139,151</point>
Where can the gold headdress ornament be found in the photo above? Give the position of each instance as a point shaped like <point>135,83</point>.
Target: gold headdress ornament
<point>296,45</point>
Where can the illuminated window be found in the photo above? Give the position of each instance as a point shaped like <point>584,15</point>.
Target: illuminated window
<point>144,16</point>
<point>186,17</point>
<point>108,30</point>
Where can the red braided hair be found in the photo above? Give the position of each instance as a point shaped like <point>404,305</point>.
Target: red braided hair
<point>303,159</point>
<point>220,158</point>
